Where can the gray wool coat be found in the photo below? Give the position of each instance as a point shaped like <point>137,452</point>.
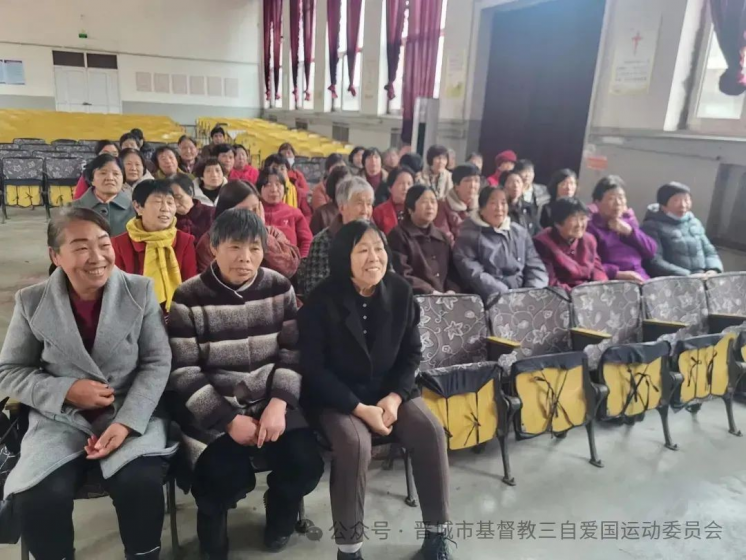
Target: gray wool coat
<point>43,355</point>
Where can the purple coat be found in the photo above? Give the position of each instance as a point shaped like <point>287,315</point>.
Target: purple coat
<point>620,253</point>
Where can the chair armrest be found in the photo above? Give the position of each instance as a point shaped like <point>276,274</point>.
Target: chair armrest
<point>678,378</point>
<point>601,390</point>
<point>653,329</point>
<point>497,347</point>
<point>581,338</point>
<point>514,403</point>
<point>718,322</point>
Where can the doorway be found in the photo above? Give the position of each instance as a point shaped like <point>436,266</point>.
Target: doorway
<point>541,68</point>
<point>86,82</point>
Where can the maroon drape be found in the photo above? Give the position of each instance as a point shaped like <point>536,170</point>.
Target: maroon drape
<point>420,58</point>
<point>295,10</point>
<point>269,10</point>
<point>309,11</point>
<point>354,9</point>
<point>395,10</point>
<point>277,44</point>
<point>334,11</point>
<point>729,19</point>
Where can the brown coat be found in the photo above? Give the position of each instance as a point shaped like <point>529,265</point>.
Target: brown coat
<point>451,214</point>
<point>423,258</point>
<point>323,217</point>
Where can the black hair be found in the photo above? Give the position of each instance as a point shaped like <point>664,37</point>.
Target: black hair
<point>369,153</point>
<point>137,133</point>
<point>162,150</point>
<point>143,191</point>
<point>435,151</point>
<point>286,146</point>
<point>199,171</point>
<point>68,215</point>
<point>563,208</point>
<point>184,137</point>
<point>276,159</point>
<point>222,149</point>
<point>354,152</point>
<point>394,175</point>
<point>523,164</point>
<point>505,174</point>
<point>237,224</point>
<point>232,194</point>
<point>413,160</point>
<point>556,179</point>
<point>332,160</point>
<point>128,136</point>
<point>186,184</point>
<point>486,193</point>
<point>414,193</point>
<point>132,151</point>
<point>340,250</point>
<point>237,147</point>
<point>463,171</point>
<point>669,190</point>
<point>217,130</point>
<point>607,184</point>
<point>336,176</point>
<point>475,154</point>
<point>263,179</point>
<point>98,162</point>
<point>101,144</point>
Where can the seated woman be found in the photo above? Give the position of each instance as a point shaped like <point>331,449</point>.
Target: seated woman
<point>413,160</point>
<point>279,255</point>
<point>521,212</point>
<point>325,215</point>
<point>295,176</point>
<point>504,161</point>
<point>289,220</point>
<point>294,196</point>
<point>192,216</point>
<point>373,171</point>
<point>135,171</point>
<point>236,386</point>
<point>187,154</point>
<point>166,162</point>
<point>356,160</point>
<point>360,348</point>
<point>622,245</point>
<point>390,214</point>
<point>152,246</point>
<point>421,252</point>
<point>102,147</point>
<point>226,157</point>
<point>492,254</point>
<point>319,196</point>
<point>563,184</point>
<point>355,201</point>
<point>105,175</point>
<point>390,159</point>
<point>242,168</point>
<point>209,182</point>
<point>436,175</point>
<point>567,249</point>
<point>460,202</point>
<point>129,141</point>
<point>535,194</point>
<point>683,246</point>
<point>86,351</point>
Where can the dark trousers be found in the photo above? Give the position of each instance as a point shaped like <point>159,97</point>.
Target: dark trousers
<point>46,510</point>
<point>225,473</point>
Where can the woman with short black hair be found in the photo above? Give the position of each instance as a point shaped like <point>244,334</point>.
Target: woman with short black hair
<point>563,184</point>
<point>187,153</point>
<point>129,141</point>
<point>192,216</point>
<point>373,171</point>
<point>102,147</point>
<point>135,169</point>
<point>390,213</point>
<point>209,181</point>
<point>436,174</point>
<point>166,162</point>
<point>242,168</point>
<point>289,220</point>
<point>319,196</point>
<point>356,159</point>
<point>521,212</point>
<point>294,175</point>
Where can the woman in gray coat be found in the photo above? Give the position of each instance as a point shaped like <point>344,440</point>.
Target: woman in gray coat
<point>87,353</point>
<point>492,254</point>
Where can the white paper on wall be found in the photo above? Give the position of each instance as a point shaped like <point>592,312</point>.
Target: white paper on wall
<point>162,83</point>
<point>231,87</point>
<point>214,86</point>
<point>196,85</point>
<point>179,84</point>
<point>144,82</point>
<point>635,48</point>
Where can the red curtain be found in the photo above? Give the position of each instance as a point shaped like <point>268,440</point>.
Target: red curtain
<point>277,43</point>
<point>354,9</point>
<point>395,10</point>
<point>729,18</point>
<point>272,44</point>
<point>295,11</point>
<point>309,11</point>
<point>334,12</point>
<point>269,10</point>
<point>420,58</point>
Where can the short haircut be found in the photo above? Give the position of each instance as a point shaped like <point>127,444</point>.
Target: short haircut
<point>486,193</point>
<point>217,130</point>
<point>237,147</point>
<point>475,155</point>
<point>340,250</point>
<point>144,190</point>
<point>59,222</point>
<point>162,150</point>
<point>286,146</point>
<point>222,149</point>
<point>563,208</point>
<point>209,162</point>
<point>128,136</point>
<point>127,152</point>
<point>505,174</point>
<point>607,184</point>
<point>354,152</point>
<point>232,194</point>
<point>414,193</point>
<point>276,159</point>
<point>394,175</point>
<point>336,176</point>
<point>97,163</point>
<point>350,187</point>
<point>101,144</point>
<point>464,171</point>
<point>332,160</point>
<point>413,160</point>
<point>186,184</point>
<point>265,175</point>
<point>556,179</point>
<point>137,133</point>
<point>434,151</point>
<point>390,151</point>
<point>669,190</point>
<point>370,152</point>
<point>185,137</point>
<point>238,224</point>
<point>523,164</point>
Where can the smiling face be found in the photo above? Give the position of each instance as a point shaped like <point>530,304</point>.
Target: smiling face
<point>158,212</point>
<point>573,227</point>
<point>187,150</point>
<point>425,209</point>
<point>496,209</point>
<point>238,261</point>
<point>613,204</point>
<point>400,187</point>
<point>567,188</point>
<point>273,191</point>
<point>368,261</point>
<point>86,255</point>
<point>679,205</point>
<point>439,163</point>
<point>167,163</point>
<point>107,181</point>
<point>358,207</point>
<point>133,168</point>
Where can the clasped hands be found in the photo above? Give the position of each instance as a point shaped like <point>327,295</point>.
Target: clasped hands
<point>246,430</point>
<point>381,417</point>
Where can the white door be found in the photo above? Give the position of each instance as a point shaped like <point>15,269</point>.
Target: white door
<point>71,84</point>
<point>103,91</point>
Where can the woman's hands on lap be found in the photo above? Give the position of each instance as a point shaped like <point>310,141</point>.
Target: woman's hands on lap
<point>111,440</point>
<point>373,418</point>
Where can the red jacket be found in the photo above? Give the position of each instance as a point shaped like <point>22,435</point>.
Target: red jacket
<point>299,180</point>
<point>197,221</point>
<point>291,222</point>
<point>80,188</point>
<point>386,216</point>
<point>130,255</point>
<point>248,174</point>
<point>569,265</point>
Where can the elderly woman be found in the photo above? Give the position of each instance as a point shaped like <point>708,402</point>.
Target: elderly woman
<point>166,162</point>
<point>209,182</point>
<point>373,171</point>
<point>135,170</point>
<point>563,184</point>
<point>521,212</point>
<point>683,245</point>
<point>504,161</point>
<point>492,254</point>
<point>279,255</point>
<point>192,216</point>
<point>242,168</point>
<point>390,214</point>
<point>86,351</point>
<point>152,246</point>
<point>569,252</point>
<point>325,215</point>
<point>355,202</point>
<point>236,385</point>
<point>622,246</point>
<point>102,147</point>
<point>422,252</point>
<point>187,154</point>
<point>319,196</point>
<point>289,220</point>
<point>295,176</point>
<point>460,202</point>
<point>360,348</point>
<point>436,174</point>
<point>105,174</point>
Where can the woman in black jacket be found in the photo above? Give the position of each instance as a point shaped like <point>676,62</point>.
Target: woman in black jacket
<point>360,348</point>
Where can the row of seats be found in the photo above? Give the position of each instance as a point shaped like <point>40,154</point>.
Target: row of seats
<point>552,361</point>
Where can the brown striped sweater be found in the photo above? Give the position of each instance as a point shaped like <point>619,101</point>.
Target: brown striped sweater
<point>233,350</point>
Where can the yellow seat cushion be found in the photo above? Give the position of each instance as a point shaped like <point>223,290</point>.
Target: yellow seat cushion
<point>24,196</point>
<point>60,195</point>
<point>633,388</point>
<point>553,399</point>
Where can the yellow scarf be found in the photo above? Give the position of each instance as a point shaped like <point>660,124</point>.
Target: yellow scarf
<point>160,259</point>
<point>291,195</point>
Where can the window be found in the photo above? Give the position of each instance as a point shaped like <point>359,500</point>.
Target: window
<point>346,101</point>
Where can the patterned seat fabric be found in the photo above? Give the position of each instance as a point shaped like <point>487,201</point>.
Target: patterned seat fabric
<point>15,154</point>
<point>679,299</point>
<point>64,168</point>
<point>609,307</point>
<point>72,148</point>
<point>29,141</point>
<point>453,330</point>
<point>726,293</point>
<point>21,169</point>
